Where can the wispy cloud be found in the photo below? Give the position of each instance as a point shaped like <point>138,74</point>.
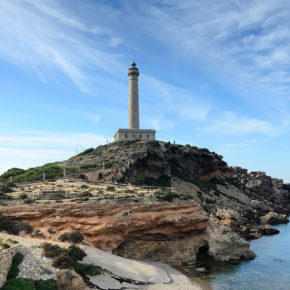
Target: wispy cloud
<point>175,100</point>
<point>46,36</point>
<point>49,139</point>
<point>243,44</point>
<point>231,123</point>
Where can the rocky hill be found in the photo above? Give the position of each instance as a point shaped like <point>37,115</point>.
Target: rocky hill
<point>204,206</point>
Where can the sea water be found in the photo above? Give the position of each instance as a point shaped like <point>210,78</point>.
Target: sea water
<point>269,270</point>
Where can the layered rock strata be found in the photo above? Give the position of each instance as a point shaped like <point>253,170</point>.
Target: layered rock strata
<point>170,232</point>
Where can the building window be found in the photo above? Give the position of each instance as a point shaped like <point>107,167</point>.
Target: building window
<point>126,136</point>
<point>140,136</point>
<point>147,136</point>
<point>133,135</point>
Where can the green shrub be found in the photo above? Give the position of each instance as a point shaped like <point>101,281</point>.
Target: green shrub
<point>85,152</point>
<point>75,252</point>
<point>169,196</point>
<point>85,269</point>
<point>51,251</point>
<point>84,186</point>
<point>63,261</point>
<point>29,201</point>
<point>14,269</point>
<point>85,194</point>
<point>12,227</point>
<point>12,172</point>
<point>45,285</point>
<point>73,237</point>
<point>110,188</point>
<point>17,283</point>
<point>23,196</point>
<point>68,257</point>
<point>109,164</point>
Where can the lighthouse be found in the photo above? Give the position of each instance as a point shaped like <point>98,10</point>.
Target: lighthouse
<point>133,97</point>
<point>134,131</point>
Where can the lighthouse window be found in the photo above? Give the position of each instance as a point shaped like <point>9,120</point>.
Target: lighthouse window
<point>126,136</point>
<point>147,136</point>
<point>140,136</point>
<point>133,135</point>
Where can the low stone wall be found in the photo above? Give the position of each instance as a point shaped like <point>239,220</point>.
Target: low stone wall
<point>6,257</point>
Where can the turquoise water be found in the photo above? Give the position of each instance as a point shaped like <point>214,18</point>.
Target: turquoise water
<point>270,270</point>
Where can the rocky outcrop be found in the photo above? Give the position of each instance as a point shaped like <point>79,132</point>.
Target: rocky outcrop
<point>172,232</point>
<point>107,226</point>
<point>69,279</point>
<point>6,257</point>
<point>274,218</point>
<point>218,242</point>
<point>153,162</point>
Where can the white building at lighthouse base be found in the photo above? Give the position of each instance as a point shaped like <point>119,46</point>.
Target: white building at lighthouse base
<point>132,134</point>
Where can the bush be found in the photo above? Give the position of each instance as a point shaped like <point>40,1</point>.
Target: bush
<point>85,269</point>
<point>63,261</point>
<point>14,228</point>
<point>29,201</point>
<point>110,188</point>
<point>169,196</point>
<point>84,186</point>
<point>51,251</point>
<point>23,196</point>
<point>17,283</point>
<point>85,194</point>
<point>75,252</point>
<point>73,237</point>
<point>14,269</point>
<point>45,285</point>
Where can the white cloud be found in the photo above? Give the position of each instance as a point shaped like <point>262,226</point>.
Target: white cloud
<point>46,37</point>
<point>230,123</point>
<point>174,100</point>
<point>45,139</point>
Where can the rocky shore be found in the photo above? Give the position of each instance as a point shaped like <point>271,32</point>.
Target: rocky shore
<point>194,203</point>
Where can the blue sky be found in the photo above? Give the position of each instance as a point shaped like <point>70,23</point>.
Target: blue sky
<point>213,74</point>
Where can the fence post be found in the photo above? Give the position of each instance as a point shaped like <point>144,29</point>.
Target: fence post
<point>43,176</point>
<point>11,179</point>
<point>64,172</point>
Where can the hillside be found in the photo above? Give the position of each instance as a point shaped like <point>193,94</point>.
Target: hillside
<point>231,194</point>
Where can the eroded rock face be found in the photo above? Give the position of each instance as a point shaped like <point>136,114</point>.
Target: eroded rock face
<point>221,243</point>
<point>172,232</point>
<point>107,226</point>
<point>150,163</point>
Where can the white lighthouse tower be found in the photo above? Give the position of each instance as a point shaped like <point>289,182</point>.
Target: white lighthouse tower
<point>134,131</point>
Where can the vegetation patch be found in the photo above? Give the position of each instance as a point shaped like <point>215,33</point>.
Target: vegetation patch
<point>17,283</point>
<point>6,244</point>
<point>12,227</point>
<point>75,237</point>
<point>14,269</point>
<point>168,196</point>
<point>85,269</point>
<point>63,258</point>
<point>110,188</point>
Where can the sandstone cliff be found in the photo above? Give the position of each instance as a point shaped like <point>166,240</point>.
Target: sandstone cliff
<point>169,232</point>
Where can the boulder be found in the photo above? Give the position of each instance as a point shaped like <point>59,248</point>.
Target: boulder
<point>274,218</point>
<point>69,279</point>
<point>225,245</point>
